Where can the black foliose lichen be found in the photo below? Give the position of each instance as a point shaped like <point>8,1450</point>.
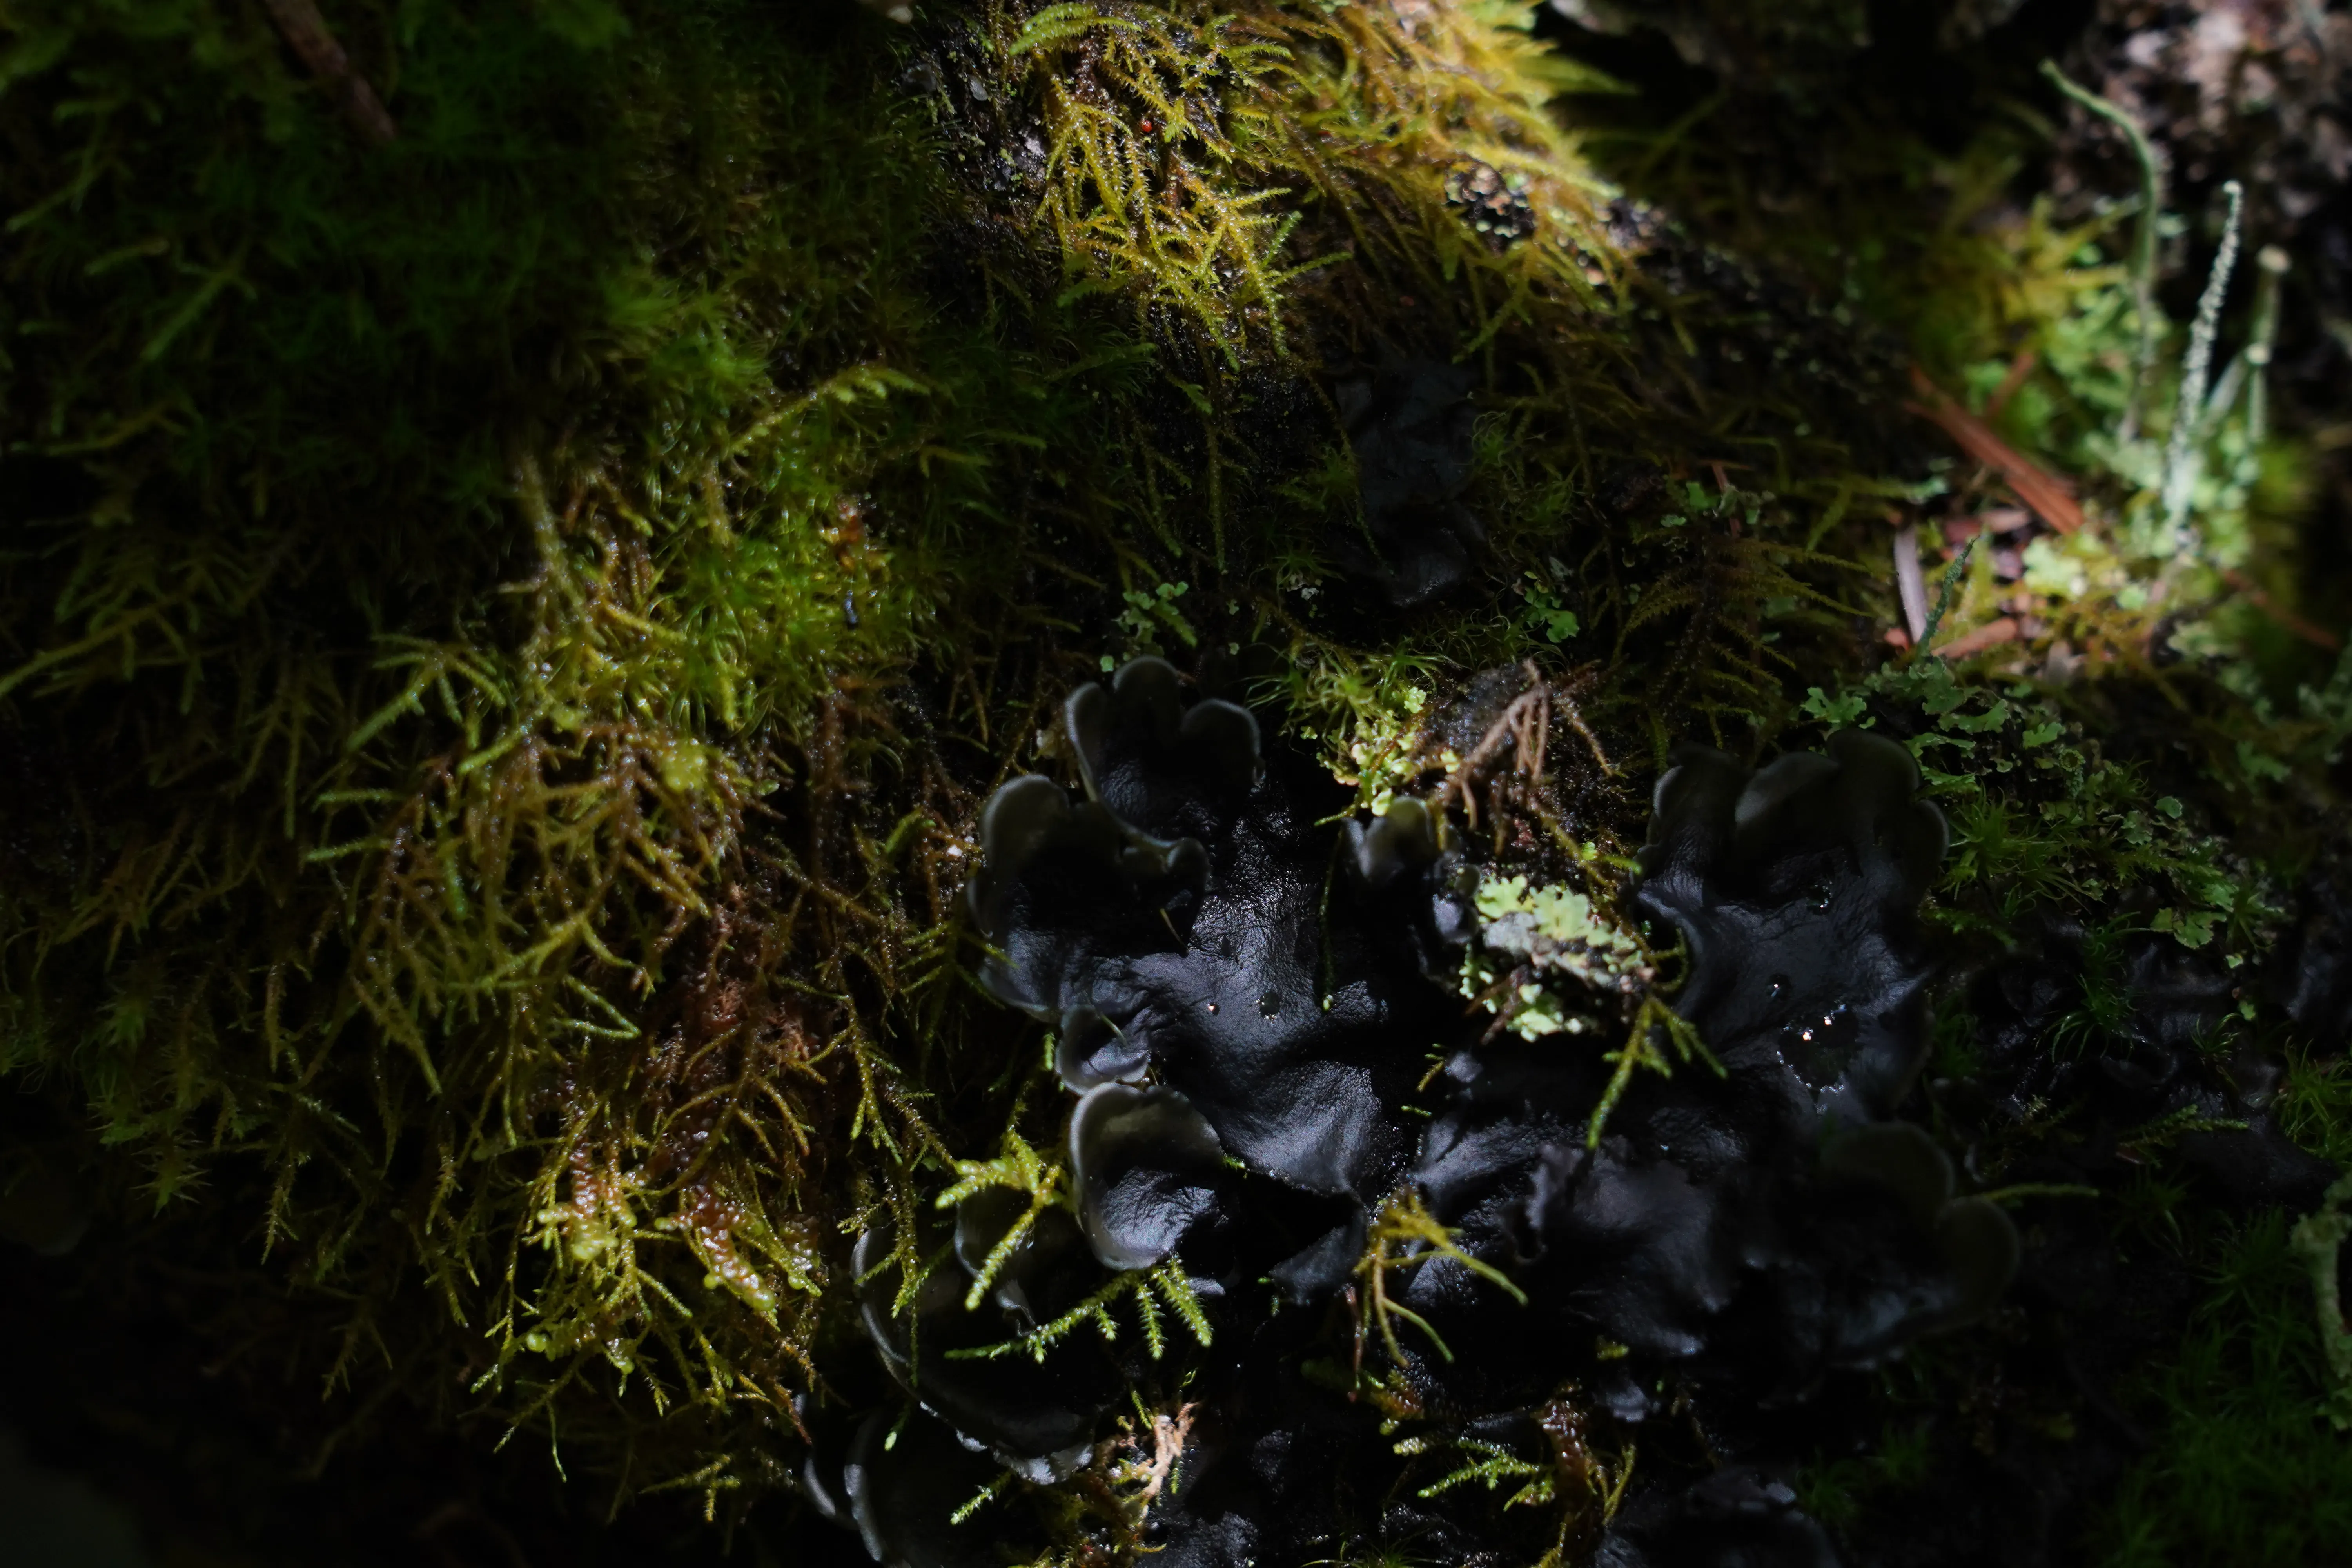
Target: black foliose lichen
<point>1764,1223</point>
<point>1243,989</point>
<point>2127,1028</point>
<point>1739,1517</point>
<point>1192,922</point>
<point>944,1341</point>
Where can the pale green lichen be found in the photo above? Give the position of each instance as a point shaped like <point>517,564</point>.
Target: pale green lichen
<point>1553,961</point>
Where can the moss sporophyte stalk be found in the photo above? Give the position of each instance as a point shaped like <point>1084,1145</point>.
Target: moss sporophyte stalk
<point>1300,781</point>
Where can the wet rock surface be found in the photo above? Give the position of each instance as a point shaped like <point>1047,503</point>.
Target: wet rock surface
<point>1409,421</point>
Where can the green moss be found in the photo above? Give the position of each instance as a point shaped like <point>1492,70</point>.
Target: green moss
<point>472,550</point>
<point>1835,1491</point>
<point>2316,1106</point>
<point>2243,1471</point>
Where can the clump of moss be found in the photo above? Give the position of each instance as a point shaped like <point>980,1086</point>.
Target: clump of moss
<point>433,559</point>
<point>2237,1473</point>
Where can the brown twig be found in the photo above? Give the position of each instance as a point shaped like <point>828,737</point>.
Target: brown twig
<point>2018,369</point>
<point>2034,485</point>
<point>306,33</point>
<point>1990,635</point>
<point>2319,637</point>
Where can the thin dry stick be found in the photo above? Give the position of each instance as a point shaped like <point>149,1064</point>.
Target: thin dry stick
<point>2041,490</point>
<point>306,33</point>
<point>2317,636</point>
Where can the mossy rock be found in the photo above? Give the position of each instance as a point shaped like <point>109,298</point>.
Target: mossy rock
<point>529,533</point>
